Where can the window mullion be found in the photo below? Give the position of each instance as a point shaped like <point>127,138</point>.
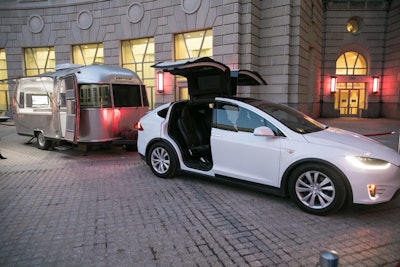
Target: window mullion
<point>47,59</point>
<point>201,44</point>
<point>186,47</point>
<point>82,54</point>
<point>133,54</point>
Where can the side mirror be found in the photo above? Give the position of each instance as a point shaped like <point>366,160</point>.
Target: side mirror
<point>263,131</point>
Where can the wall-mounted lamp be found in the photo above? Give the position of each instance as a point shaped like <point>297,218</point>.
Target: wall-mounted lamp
<point>160,82</point>
<point>375,84</point>
<point>333,84</point>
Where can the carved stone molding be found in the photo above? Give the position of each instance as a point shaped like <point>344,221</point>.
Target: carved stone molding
<point>135,12</point>
<point>190,6</point>
<point>35,23</point>
<point>84,19</point>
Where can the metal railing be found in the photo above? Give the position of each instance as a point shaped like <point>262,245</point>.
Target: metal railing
<point>387,133</point>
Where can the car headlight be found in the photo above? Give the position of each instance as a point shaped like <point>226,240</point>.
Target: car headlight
<point>368,163</point>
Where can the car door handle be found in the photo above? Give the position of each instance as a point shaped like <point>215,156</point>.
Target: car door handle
<point>216,135</point>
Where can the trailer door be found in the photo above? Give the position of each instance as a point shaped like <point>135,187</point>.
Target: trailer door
<point>73,108</point>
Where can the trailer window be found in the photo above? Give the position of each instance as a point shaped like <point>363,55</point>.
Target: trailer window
<point>21,103</point>
<point>129,95</point>
<point>37,101</point>
<point>95,96</point>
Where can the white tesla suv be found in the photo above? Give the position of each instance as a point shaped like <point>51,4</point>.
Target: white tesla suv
<point>264,145</point>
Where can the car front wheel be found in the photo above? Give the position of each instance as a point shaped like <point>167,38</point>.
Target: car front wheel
<point>317,189</point>
<point>163,160</point>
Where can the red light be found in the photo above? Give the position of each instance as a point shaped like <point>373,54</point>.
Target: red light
<point>160,82</point>
<point>333,84</point>
<point>138,126</point>
<point>375,85</point>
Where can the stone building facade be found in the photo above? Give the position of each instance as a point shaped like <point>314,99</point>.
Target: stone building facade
<point>299,47</point>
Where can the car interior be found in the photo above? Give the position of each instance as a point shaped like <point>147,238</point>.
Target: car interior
<point>190,127</point>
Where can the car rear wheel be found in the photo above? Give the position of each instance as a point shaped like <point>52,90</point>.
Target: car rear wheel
<point>43,143</point>
<point>317,189</point>
<point>163,160</point>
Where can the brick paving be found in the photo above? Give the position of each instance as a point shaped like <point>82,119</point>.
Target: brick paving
<point>106,208</point>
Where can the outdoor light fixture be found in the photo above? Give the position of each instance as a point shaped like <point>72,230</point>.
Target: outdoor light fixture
<point>333,84</point>
<point>160,82</point>
<point>375,84</point>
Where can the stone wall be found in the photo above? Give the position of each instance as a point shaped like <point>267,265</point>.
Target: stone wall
<point>391,78</point>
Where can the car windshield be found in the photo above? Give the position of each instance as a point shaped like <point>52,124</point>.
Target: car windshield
<point>293,119</point>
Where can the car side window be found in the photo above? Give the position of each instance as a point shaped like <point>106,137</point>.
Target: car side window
<point>247,121</point>
<point>163,113</point>
<point>225,116</point>
<point>231,117</point>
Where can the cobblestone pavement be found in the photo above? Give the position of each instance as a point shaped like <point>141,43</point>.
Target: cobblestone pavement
<point>105,208</point>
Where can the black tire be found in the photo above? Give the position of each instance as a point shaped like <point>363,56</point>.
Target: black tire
<point>162,160</point>
<point>43,143</point>
<point>317,189</point>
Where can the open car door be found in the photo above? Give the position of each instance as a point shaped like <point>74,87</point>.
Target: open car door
<point>245,78</point>
<point>206,77</point>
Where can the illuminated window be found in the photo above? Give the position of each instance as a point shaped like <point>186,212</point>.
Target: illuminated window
<point>88,54</point>
<point>193,45</point>
<point>138,56</point>
<point>4,103</point>
<point>39,60</point>
<point>351,63</point>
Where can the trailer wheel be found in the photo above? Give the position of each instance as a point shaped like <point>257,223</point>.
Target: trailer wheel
<point>43,143</point>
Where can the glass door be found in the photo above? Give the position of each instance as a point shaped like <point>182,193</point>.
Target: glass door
<point>351,99</point>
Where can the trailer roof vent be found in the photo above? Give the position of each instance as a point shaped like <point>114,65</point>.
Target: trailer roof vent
<point>67,66</point>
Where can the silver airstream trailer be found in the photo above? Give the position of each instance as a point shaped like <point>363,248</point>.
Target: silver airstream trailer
<point>85,104</point>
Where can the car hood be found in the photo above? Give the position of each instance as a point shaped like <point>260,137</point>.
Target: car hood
<point>355,144</point>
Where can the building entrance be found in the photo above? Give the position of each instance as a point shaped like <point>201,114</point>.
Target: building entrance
<point>348,102</point>
<point>351,99</point>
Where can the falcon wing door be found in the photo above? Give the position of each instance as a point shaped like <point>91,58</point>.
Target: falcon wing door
<point>206,77</point>
<point>245,78</point>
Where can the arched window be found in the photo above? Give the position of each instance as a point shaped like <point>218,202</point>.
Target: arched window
<point>351,63</point>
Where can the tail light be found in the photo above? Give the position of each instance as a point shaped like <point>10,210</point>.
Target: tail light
<point>138,126</point>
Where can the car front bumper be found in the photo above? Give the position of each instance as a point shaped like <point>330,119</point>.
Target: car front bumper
<point>375,186</point>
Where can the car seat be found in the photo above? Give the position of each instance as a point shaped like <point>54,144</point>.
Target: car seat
<point>194,134</point>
